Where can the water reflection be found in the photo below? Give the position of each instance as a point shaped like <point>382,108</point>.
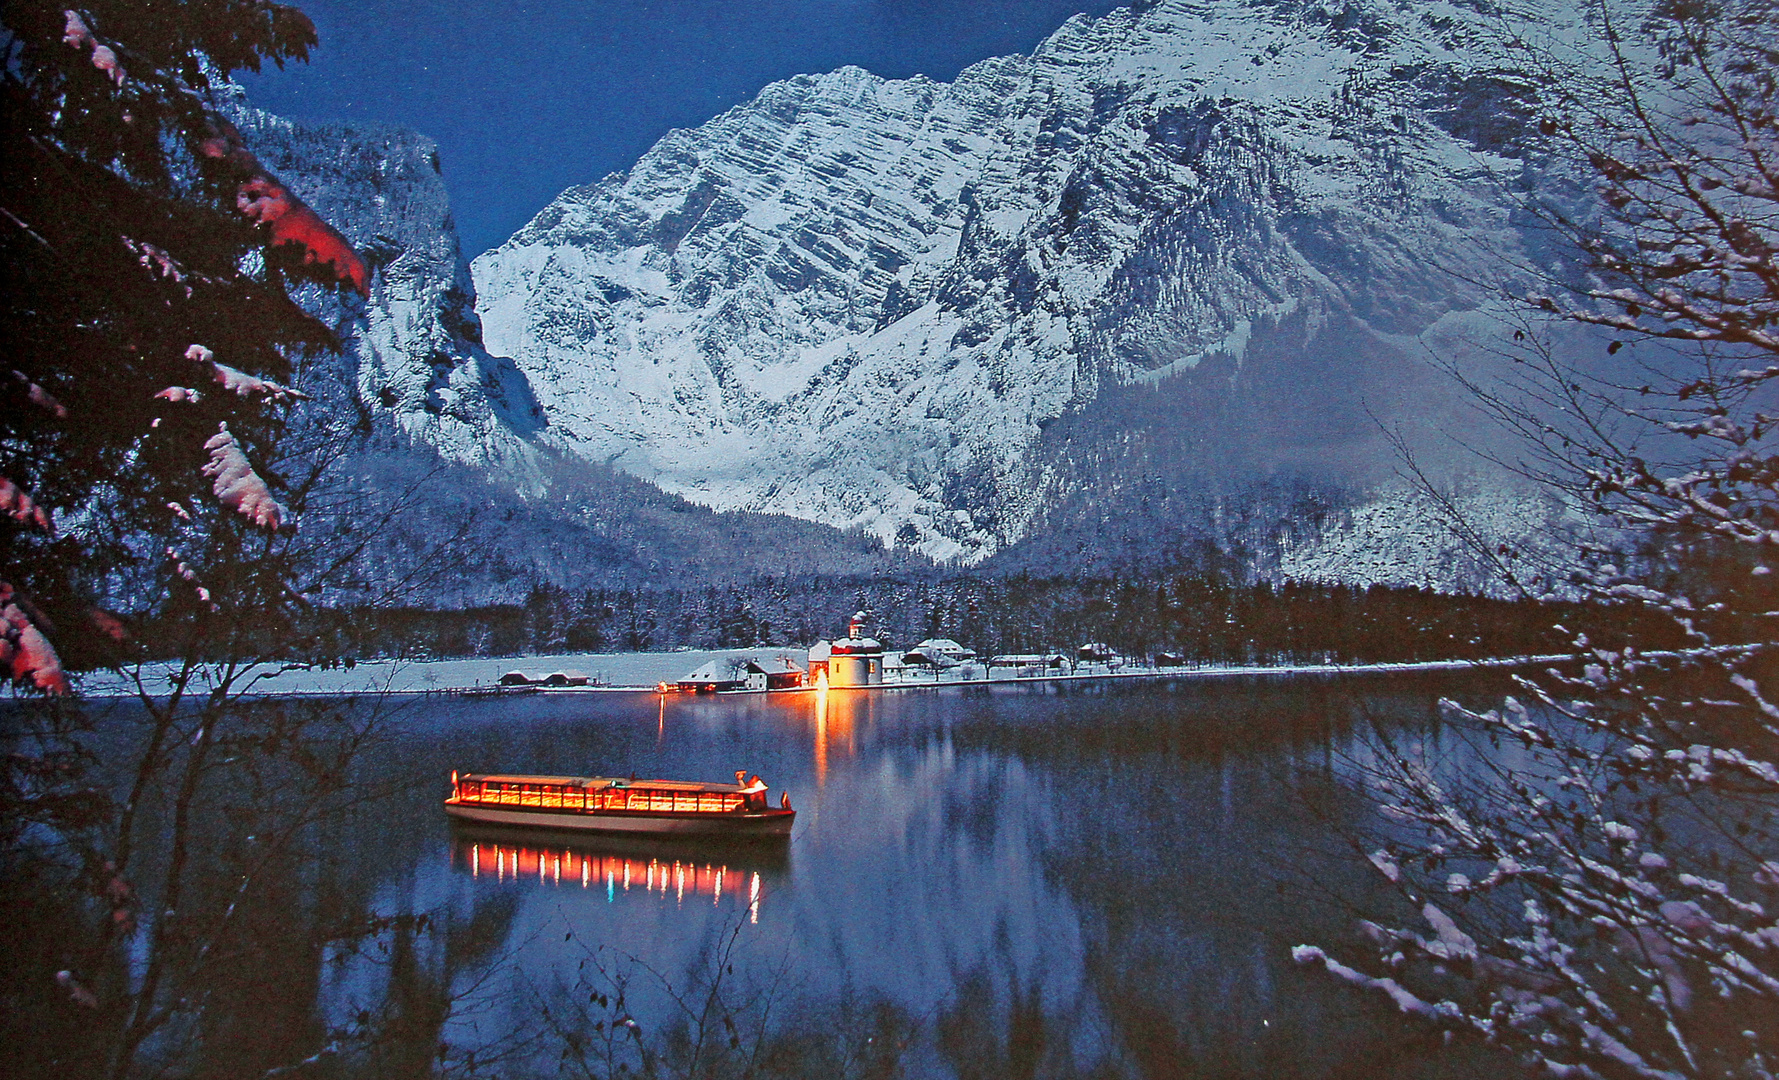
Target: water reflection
<point>737,875</point>
<point>835,720</point>
<point>997,881</point>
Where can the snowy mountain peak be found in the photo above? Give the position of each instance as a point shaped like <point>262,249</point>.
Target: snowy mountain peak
<point>863,301</point>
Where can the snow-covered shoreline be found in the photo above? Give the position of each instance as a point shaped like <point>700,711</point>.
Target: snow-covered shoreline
<point>643,672</point>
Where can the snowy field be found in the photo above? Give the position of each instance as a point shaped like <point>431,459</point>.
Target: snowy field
<point>634,670</point>
<point>643,671</point>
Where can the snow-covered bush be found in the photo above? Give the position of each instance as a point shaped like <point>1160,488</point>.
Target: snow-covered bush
<point>1601,892</point>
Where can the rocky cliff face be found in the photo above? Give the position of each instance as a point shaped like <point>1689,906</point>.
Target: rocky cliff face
<point>938,311</point>
<point>413,358</point>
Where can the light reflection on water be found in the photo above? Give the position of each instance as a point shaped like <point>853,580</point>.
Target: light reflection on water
<point>614,866</point>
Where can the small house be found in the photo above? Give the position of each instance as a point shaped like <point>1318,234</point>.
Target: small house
<point>943,652</point>
<point>724,673</point>
<point>774,673</point>
<point>1098,652</point>
<point>1031,663</point>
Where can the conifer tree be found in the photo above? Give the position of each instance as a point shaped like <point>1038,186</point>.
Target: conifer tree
<point>145,255</point>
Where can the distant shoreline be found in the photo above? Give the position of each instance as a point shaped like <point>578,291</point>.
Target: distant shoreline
<point>472,678</point>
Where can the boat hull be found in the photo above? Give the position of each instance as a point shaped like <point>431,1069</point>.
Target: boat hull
<point>764,824</point>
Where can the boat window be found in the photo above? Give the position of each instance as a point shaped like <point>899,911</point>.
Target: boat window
<point>552,796</point>
<point>528,795</point>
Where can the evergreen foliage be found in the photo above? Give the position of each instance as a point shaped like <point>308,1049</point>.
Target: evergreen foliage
<point>1194,619</point>
<point>145,256</point>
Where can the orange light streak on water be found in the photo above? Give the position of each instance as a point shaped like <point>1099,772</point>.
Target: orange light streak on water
<point>821,734</point>
<point>671,877</point>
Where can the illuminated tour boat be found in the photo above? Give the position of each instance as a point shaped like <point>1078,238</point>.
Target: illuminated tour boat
<point>612,805</point>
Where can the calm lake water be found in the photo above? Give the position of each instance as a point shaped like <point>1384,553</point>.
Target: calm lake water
<point>1101,879</point>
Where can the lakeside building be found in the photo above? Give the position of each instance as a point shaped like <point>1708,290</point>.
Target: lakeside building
<point>737,673</point>
<point>1098,652</point>
<point>722,673</point>
<point>554,678</point>
<point>774,673</point>
<point>854,660</point>
<point>1032,664</point>
<point>939,653</point>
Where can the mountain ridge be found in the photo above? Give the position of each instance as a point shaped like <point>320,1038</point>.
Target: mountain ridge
<point>863,301</point>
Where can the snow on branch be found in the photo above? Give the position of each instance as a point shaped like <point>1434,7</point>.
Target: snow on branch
<point>162,265</point>
<point>14,501</point>
<point>237,486</point>
<point>108,624</point>
<point>25,652</point>
<point>76,35</point>
<point>185,571</point>
<point>239,381</point>
<point>264,199</point>
<point>1441,1012</point>
<point>40,397</point>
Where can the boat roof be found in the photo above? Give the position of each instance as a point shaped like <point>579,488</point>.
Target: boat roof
<point>608,781</point>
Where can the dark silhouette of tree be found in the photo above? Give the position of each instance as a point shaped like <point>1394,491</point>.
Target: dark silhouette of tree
<point>145,255</point>
<point>151,473</point>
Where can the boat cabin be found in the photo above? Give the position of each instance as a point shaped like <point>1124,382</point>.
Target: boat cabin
<point>603,794</point>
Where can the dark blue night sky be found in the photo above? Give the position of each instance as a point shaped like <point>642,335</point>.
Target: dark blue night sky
<point>527,99</point>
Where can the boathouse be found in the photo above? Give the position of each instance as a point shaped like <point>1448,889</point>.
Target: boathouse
<point>774,673</point>
<point>723,673</point>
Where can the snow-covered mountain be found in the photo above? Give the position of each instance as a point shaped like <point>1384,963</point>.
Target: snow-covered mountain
<point>457,436</point>
<point>869,302</point>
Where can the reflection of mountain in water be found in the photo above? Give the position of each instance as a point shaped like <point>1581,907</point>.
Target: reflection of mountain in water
<point>736,874</point>
<point>1197,862</point>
